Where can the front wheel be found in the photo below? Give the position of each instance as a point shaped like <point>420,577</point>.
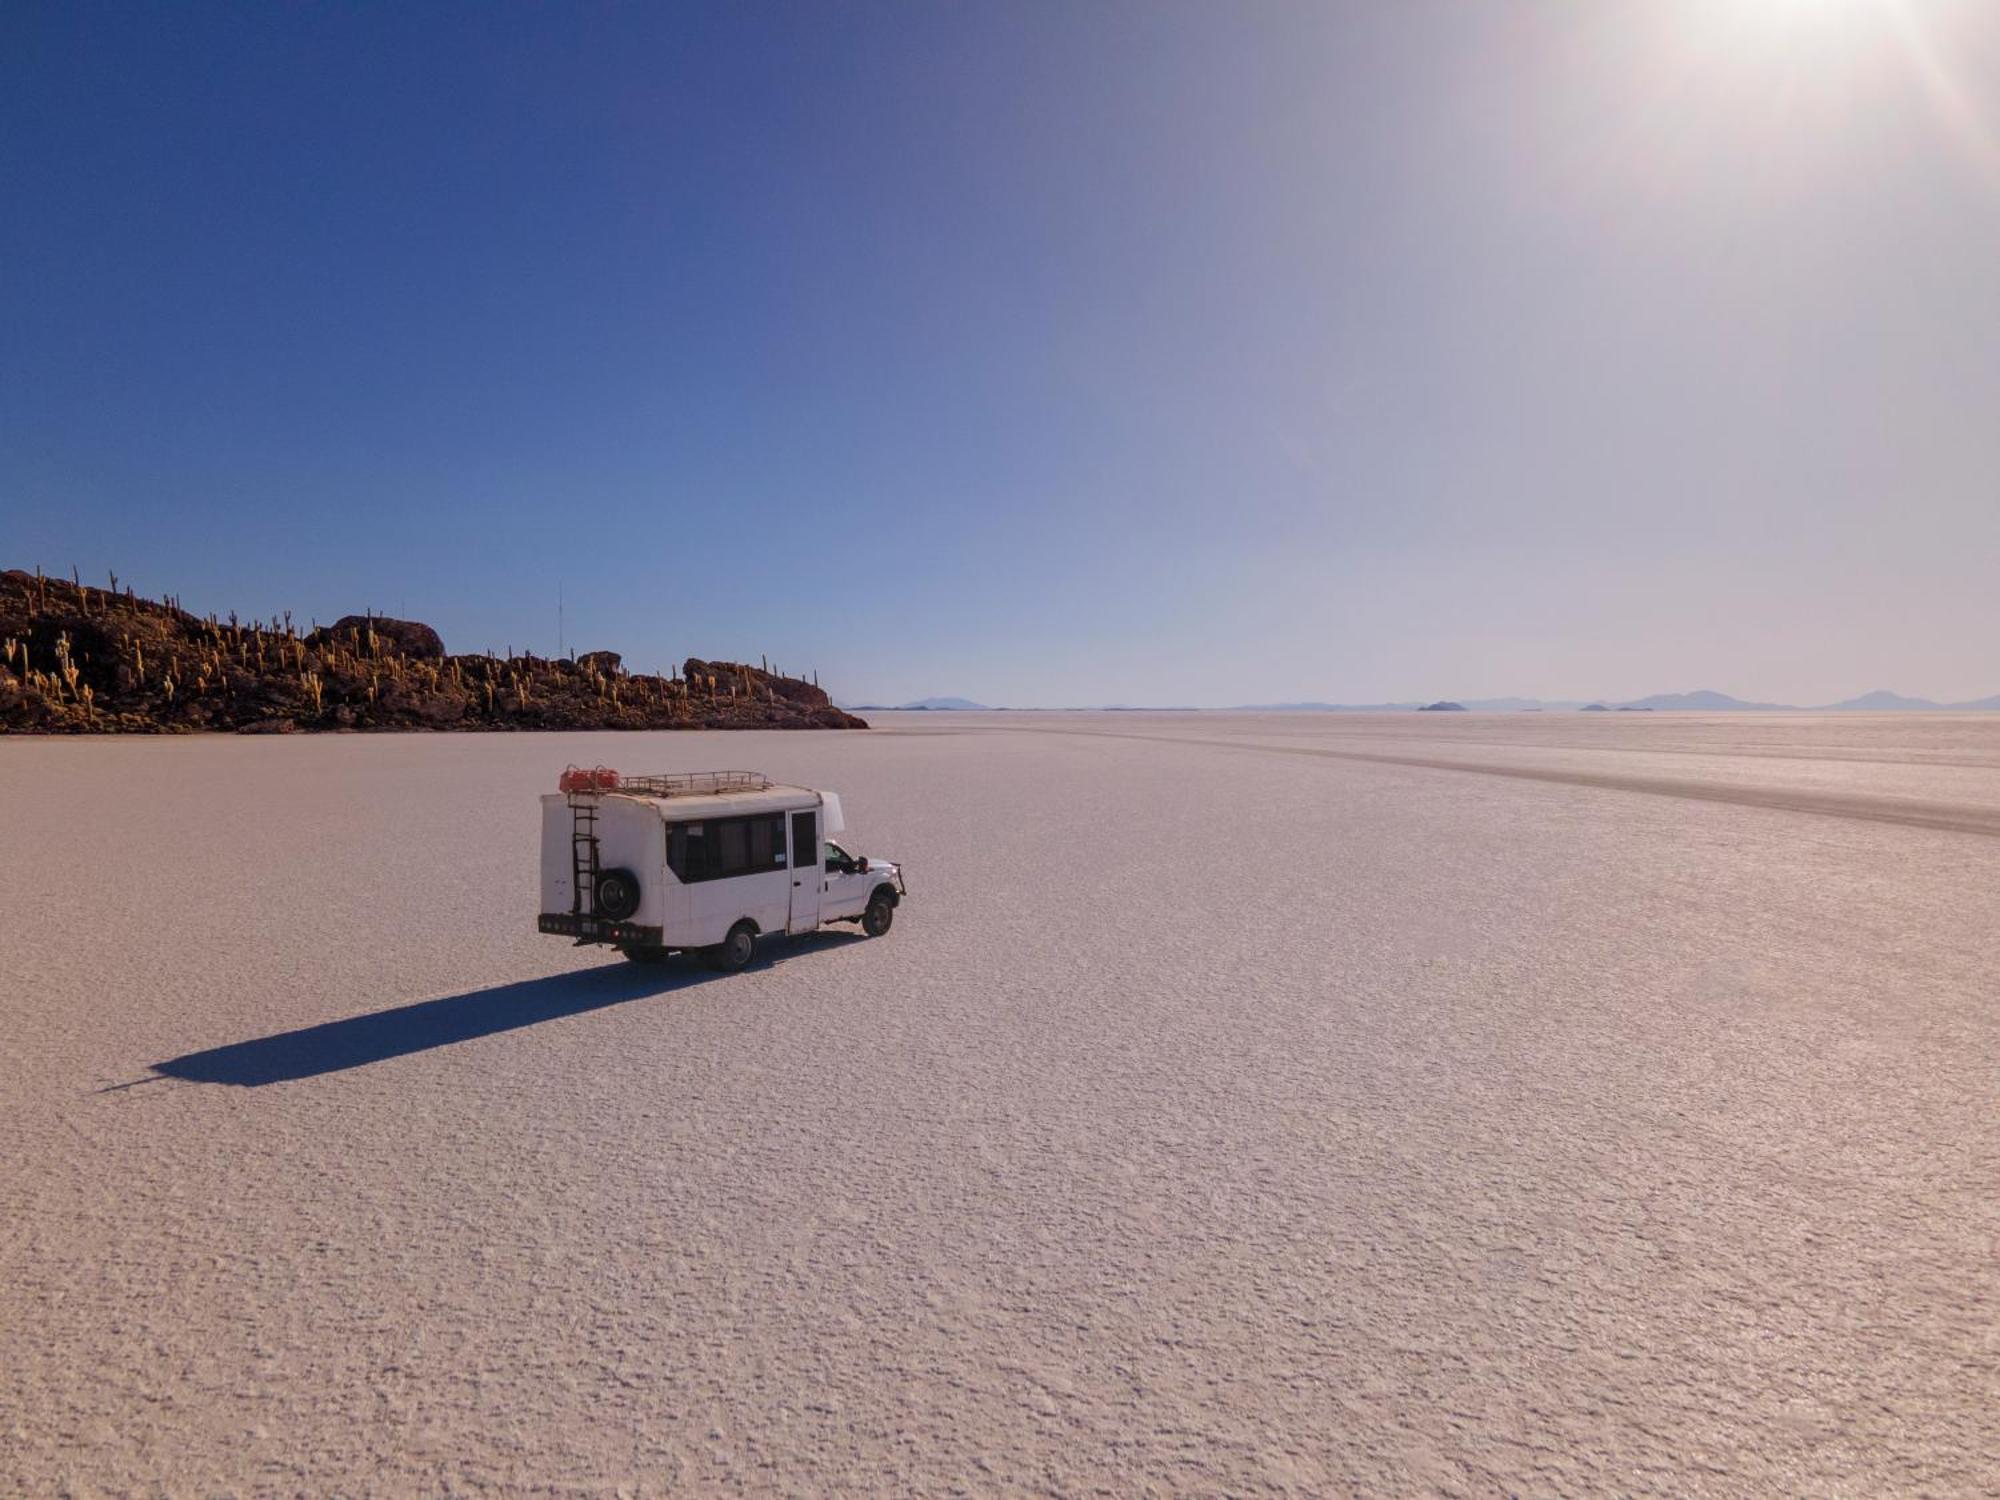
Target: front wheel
<point>880,913</point>
<point>735,951</point>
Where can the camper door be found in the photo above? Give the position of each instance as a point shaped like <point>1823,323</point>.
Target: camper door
<point>807,873</point>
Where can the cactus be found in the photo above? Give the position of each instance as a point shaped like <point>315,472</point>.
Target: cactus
<point>64,665</point>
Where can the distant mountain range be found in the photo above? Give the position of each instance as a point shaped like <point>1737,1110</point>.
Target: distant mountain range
<point>1703,700</point>
<point>1882,698</point>
<point>955,705</point>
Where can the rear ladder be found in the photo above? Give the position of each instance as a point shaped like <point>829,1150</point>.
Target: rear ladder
<point>583,854</point>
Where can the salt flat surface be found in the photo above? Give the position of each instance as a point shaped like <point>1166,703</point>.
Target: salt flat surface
<point>1541,1104</point>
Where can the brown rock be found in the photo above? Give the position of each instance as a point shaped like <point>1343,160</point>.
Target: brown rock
<point>410,638</point>
<point>150,666</point>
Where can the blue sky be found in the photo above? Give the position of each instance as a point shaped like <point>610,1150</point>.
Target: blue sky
<point>1040,353</point>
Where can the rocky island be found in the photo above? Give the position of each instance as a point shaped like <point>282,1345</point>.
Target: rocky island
<point>78,659</point>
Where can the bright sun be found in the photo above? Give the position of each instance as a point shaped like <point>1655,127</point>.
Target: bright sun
<point>1817,43</point>
<point>1799,19</point>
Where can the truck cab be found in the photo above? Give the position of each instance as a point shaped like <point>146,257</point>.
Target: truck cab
<point>849,882</point>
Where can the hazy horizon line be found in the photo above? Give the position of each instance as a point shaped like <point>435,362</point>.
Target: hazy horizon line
<point>1695,700</point>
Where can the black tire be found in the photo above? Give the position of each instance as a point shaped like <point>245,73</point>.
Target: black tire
<point>617,895</point>
<point>735,951</point>
<point>880,913</point>
<point>648,954</point>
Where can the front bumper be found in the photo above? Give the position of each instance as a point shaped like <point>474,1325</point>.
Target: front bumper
<point>587,929</point>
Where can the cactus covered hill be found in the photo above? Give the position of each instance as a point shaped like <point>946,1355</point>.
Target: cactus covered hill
<point>78,659</point>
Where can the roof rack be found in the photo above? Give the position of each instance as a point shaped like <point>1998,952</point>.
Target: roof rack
<point>693,783</point>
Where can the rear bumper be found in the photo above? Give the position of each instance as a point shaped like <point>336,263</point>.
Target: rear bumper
<point>598,929</point>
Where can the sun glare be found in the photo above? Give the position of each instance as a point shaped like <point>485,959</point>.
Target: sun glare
<point>1832,47</point>
<point>1796,23</point>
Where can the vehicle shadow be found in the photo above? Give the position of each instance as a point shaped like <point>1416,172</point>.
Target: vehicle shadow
<point>380,1035</point>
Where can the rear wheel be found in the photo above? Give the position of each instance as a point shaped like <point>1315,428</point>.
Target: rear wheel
<point>880,913</point>
<point>647,954</point>
<point>735,951</point>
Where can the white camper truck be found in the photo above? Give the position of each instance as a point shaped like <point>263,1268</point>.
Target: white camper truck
<point>703,861</point>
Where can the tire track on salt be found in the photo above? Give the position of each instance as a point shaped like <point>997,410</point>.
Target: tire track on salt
<point>1908,812</point>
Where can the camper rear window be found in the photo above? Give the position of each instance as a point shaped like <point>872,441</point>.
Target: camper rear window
<point>717,848</point>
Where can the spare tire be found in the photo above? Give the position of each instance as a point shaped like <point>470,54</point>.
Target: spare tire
<point>617,894</point>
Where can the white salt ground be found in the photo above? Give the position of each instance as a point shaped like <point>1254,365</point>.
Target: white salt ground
<point>1225,1114</point>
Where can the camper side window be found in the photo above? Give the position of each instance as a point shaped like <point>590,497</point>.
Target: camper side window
<point>767,842</point>
<point>734,836</point>
<point>718,848</point>
<point>691,854</point>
